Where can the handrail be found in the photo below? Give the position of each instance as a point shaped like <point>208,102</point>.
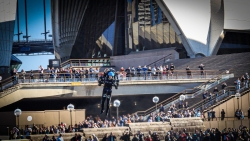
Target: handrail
<point>228,98</point>
<point>80,61</point>
<point>207,100</point>
<point>83,76</point>
<point>176,96</point>
<point>159,60</point>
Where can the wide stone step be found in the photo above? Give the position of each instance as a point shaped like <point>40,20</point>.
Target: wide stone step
<point>66,136</point>
<point>148,124</point>
<point>100,132</point>
<point>85,130</point>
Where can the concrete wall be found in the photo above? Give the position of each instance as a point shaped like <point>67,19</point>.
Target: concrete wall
<point>51,117</point>
<point>91,89</point>
<point>142,58</point>
<point>232,105</point>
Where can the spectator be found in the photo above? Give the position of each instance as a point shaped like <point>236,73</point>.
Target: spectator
<point>216,91</point>
<point>111,137</point>
<point>135,138</point>
<point>23,75</point>
<point>121,121</point>
<point>31,76</point>
<point>141,119</point>
<point>46,138</point>
<point>242,80</point>
<point>189,137</point>
<point>172,67</point>
<point>90,138</point>
<point>223,86</point>
<point>150,119</point>
<point>237,82</point>
<point>153,73</point>
<point>246,80</point>
<point>237,114</point>
<point>204,95</point>
<point>145,69</point>
<point>140,135</point>
<point>209,115</point>
<point>168,137</point>
<point>105,138</point>
<point>188,72</point>
<point>95,138</point>
<point>53,138</point>
<point>183,136</point>
<point>128,73</point>
<point>133,71</point>
<point>75,138</point>
<point>186,105</point>
<point>14,75</point>
<point>222,114</point>
<point>202,70</point>
<point>241,114</point>
<point>59,138</point>
<point>211,98</point>
<point>198,114</point>
<point>138,70</point>
<point>41,72</point>
<point>157,117</point>
<point>161,108</point>
<point>213,114</point>
<point>96,71</point>
<point>149,72</point>
<point>125,136</point>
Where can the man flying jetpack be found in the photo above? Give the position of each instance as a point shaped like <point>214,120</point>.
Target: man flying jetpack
<point>109,79</point>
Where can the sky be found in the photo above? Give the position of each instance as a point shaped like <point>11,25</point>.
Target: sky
<point>35,14</point>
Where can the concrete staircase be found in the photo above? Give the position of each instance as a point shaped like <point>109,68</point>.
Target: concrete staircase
<point>176,124</point>
<point>100,132</point>
<point>237,62</point>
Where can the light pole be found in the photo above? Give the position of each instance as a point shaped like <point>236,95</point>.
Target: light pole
<point>237,95</point>
<point>155,100</point>
<point>182,98</point>
<point>70,107</point>
<point>116,104</point>
<point>17,113</point>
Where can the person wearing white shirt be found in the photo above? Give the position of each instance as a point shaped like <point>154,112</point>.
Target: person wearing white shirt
<point>60,138</point>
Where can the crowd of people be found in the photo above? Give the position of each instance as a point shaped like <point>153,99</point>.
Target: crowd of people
<point>227,134</point>
<point>213,134</point>
<point>91,74</point>
<point>162,116</point>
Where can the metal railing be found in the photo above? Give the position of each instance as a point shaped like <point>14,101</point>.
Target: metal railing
<point>195,91</point>
<point>161,60</point>
<point>203,104</point>
<point>12,84</point>
<point>32,41</point>
<point>243,91</point>
<point>79,63</point>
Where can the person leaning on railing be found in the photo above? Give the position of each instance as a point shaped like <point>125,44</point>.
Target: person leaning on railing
<point>14,75</point>
<point>23,75</point>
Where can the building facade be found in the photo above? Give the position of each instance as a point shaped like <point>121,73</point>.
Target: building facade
<point>7,23</point>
